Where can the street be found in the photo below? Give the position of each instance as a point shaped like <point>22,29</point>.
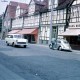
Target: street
<point>38,62</point>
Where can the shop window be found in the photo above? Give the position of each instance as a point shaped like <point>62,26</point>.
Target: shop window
<point>79,38</point>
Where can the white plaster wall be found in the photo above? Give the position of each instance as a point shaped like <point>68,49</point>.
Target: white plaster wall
<point>17,23</point>
<point>60,30</point>
<point>32,21</point>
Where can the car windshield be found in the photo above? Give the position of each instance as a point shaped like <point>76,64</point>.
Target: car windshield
<point>18,36</point>
<point>65,42</point>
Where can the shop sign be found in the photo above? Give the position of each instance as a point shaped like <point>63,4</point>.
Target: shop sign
<point>74,25</point>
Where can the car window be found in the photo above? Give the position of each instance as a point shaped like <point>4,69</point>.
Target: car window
<point>18,36</point>
<point>9,36</point>
<point>65,42</point>
<point>58,41</point>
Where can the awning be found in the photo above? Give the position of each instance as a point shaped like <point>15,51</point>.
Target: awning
<point>29,31</point>
<point>14,31</point>
<point>71,32</point>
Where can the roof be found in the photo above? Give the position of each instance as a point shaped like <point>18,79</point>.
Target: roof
<point>22,5</point>
<point>64,3</point>
<point>11,8</point>
<point>39,2</point>
<point>11,11</point>
<point>13,3</point>
<point>41,5</point>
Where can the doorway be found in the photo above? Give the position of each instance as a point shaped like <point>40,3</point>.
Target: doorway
<point>74,42</point>
<point>54,32</point>
<point>30,37</point>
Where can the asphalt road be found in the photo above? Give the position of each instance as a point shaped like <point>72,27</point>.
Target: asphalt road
<point>37,62</point>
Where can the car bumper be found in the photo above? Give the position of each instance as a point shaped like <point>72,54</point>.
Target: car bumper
<point>67,49</point>
<point>21,44</point>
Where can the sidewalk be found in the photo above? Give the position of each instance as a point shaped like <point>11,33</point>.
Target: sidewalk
<point>76,51</point>
<point>43,45</point>
<point>47,46</point>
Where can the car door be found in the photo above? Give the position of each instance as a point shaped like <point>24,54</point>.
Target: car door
<point>58,43</point>
<point>11,39</point>
<point>8,39</point>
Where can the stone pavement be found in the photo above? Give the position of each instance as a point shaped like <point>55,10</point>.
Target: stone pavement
<point>76,51</point>
<point>43,45</point>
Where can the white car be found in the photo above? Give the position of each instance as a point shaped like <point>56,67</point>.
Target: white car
<point>16,39</point>
<point>60,44</point>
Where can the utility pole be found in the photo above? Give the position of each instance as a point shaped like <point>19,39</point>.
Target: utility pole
<point>2,30</point>
<point>51,24</point>
<point>2,26</point>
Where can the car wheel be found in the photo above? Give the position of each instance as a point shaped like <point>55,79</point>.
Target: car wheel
<point>50,46</point>
<point>7,43</point>
<point>60,48</point>
<point>24,46</point>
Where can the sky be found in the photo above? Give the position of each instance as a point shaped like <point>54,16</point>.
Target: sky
<point>4,4</point>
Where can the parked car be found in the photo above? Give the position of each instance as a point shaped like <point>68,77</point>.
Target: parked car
<point>60,44</point>
<point>16,39</point>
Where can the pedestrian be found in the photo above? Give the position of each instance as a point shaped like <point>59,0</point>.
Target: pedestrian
<point>53,43</point>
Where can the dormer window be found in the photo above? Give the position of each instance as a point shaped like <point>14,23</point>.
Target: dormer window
<point>22,11</point>
<point>18,11</point>
<point>31,8</point>
<point>55,3</point>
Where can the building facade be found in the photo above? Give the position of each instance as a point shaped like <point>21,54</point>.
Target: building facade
<point>13,10</point>
<point>58,20</point>
<point>34,22</point>
<point>30,21</point>
<point>72,32</point>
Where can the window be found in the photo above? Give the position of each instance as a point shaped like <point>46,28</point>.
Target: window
<point>75,14</point>
<point>18,11</point>
<point>17,36</point>
<point>31,8</point>
<point>58,41</point>
<point>78,1</point>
